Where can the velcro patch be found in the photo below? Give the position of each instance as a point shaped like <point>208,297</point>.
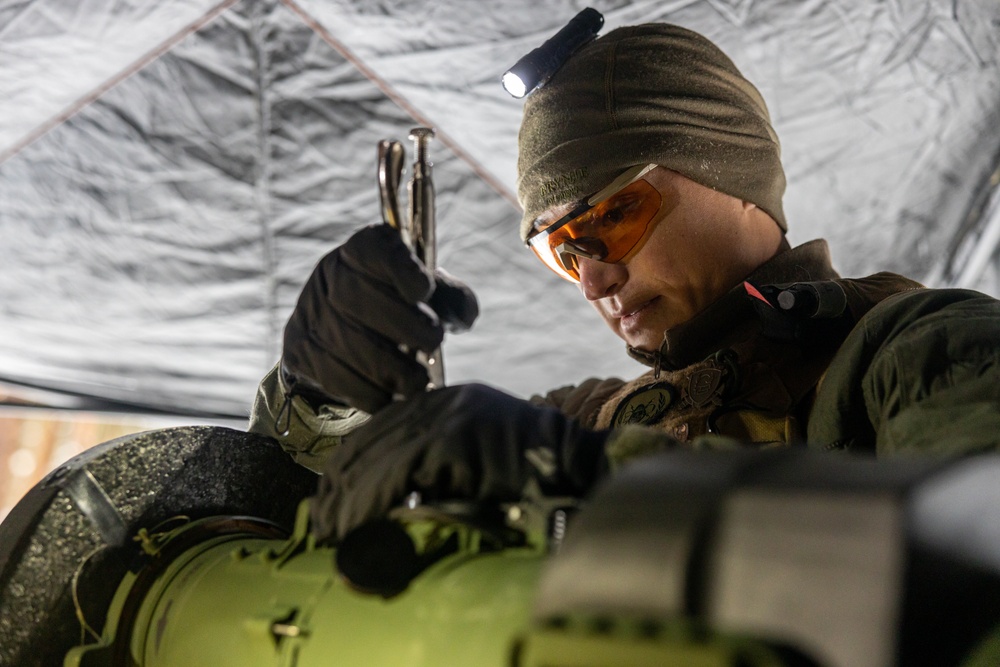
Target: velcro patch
<point>645,405</point>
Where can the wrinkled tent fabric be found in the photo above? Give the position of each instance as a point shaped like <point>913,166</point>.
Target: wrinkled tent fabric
<point>170,172</point>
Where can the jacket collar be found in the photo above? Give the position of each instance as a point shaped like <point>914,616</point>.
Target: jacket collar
<point>729,319</point>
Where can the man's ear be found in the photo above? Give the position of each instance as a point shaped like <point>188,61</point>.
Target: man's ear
<point>766,226</point>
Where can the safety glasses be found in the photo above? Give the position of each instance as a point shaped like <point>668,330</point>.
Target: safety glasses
<point>609,226</point>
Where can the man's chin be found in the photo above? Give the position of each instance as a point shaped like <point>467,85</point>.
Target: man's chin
<point>646,341</point>
<point>647,333</point>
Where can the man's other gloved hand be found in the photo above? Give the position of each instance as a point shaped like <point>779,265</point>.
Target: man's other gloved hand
<point>361,302</point>
<point>462,442</point>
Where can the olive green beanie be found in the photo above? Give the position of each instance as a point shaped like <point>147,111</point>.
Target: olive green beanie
<point>653,93</point>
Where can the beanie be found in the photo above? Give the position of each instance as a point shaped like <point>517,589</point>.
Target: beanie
<point>647,94</point>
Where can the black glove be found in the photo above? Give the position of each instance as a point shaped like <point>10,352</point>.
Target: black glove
<point>361,302</point>
<point>462,442</point>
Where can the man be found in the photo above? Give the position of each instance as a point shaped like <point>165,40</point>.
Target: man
<point>650,175</point>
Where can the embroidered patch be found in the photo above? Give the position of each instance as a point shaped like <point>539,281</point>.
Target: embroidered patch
<point>704,385</point>
<point>645,405</point>
<point>563,188</point>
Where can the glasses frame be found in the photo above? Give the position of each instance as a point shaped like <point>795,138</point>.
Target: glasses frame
<point>625,179</point>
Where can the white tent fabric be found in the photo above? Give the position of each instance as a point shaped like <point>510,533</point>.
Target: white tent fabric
<point>170,172</point>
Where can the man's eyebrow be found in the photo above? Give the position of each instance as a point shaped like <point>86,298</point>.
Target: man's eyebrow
<point>541,222</point>
<point>554,213</point>
<point>578,207</point>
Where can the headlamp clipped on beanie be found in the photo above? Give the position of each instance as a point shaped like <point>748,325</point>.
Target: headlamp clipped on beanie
<point>538,66</point>
<point>653,93</point>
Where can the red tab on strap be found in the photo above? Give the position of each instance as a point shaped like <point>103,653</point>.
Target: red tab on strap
<point>752,291</point>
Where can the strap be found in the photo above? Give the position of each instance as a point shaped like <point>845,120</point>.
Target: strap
<point>94,503</point>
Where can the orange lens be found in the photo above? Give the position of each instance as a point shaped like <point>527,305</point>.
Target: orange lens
<point>610,231</point>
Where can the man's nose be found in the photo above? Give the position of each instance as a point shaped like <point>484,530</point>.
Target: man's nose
<point>600,279</point>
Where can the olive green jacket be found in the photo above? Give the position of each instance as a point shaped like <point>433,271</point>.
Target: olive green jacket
<point>902,370</point>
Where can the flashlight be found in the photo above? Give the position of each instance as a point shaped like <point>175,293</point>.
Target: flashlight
<point>534,69</point>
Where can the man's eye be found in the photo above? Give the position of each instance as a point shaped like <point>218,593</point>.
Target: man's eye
<point>615,215</point>
<point>618,210</point>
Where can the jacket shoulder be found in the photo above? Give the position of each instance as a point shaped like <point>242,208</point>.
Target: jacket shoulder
<point>913,346</point>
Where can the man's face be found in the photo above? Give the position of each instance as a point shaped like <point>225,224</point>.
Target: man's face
<point>702,245</point>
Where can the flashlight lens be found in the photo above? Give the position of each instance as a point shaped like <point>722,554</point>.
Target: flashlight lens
<point>513,84</point>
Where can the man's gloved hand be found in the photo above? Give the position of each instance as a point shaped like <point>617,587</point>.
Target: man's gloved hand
<point>461,442</point>
<point>362,301</point>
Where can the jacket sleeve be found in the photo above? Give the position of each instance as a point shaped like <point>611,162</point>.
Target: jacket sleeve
<point>919,375</point>
<point>582,402</point>
<point>308,435</point>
